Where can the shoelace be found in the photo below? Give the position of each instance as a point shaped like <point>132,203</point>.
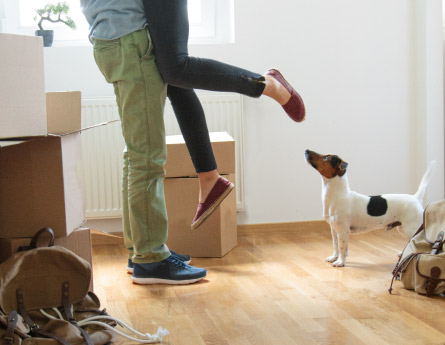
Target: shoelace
<point>147,338</point>
<point>176,261</point>
<point>174,253</point>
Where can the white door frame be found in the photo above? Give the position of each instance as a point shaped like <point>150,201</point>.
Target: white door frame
<point>429,93</point>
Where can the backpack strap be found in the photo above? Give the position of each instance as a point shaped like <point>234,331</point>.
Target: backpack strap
<point>437,246</point>
<point>8,339</point>
<point>421,227</point>
<point>401,267</point>
<point>35,239</point>
<point>35,328</point>
<point>68,313</point>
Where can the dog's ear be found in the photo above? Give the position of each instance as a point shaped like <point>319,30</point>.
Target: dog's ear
<point>341,170</point>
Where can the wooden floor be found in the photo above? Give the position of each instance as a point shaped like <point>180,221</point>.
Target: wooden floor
<point>275,288</point>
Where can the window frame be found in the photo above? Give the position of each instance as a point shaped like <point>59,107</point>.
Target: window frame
<point>215,26</point>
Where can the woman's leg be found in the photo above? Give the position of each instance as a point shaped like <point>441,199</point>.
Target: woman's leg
<point>169,28</point>
<point>192,122</point>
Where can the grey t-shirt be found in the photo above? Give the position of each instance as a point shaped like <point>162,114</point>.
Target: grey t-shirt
<point>111,19</point>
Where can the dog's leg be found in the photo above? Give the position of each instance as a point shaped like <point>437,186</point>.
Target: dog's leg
<point>343,240</point>
<point>334,255</point>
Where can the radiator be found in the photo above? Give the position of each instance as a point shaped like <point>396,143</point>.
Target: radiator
<point>102,148</point>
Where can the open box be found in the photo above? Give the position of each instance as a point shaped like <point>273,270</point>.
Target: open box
<point>41,180</point>
<point>218,234</point>
<point>41,186</point>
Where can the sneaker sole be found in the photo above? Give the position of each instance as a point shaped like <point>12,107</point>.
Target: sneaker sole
<point>130,269</point>
<point>212,207</point>
<point>149,281</point>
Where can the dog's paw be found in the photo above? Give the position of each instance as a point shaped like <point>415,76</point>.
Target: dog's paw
<point>331,258</point>
<point>338,263</point>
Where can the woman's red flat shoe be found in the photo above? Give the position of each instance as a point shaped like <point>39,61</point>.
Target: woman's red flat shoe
<point>294,106</point>
<point>220,190</point>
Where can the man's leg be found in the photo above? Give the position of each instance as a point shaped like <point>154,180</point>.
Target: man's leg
<point>140,94</point>
<point>128,240</point>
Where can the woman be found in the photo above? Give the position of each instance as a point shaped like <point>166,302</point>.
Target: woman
<point>169,30</point>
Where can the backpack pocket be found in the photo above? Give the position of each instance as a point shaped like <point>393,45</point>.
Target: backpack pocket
<point>429,276</point>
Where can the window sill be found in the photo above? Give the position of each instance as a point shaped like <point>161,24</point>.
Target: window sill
<point>86,43</point>
<point>73,43</point>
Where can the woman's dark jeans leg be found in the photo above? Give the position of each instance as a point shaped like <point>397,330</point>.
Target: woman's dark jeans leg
<point>192,122</point>
<point>169,30</point>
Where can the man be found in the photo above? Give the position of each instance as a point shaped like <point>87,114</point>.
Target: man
<point>123,53</point>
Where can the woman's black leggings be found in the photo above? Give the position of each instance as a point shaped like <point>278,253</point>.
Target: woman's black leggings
<point>169,29</point>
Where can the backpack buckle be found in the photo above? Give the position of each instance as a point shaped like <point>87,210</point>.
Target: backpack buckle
<point>34,327</point>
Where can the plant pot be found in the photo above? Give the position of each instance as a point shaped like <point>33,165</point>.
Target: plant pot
<point>48,36</point>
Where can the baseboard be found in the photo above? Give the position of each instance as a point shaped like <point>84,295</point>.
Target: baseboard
<point>313,225</point>
<point>100,238</point>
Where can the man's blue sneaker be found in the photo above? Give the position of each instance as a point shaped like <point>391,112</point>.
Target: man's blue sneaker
<point>186,258</point>
<point>169,271</point>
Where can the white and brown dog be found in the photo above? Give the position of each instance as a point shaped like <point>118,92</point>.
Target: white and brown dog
<point>350,212</point>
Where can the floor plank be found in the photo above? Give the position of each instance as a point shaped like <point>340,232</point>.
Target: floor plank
<point>276,288</point>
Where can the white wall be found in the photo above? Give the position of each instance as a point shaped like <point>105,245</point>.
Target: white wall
<point>371,96</point>
<point>2,16</point>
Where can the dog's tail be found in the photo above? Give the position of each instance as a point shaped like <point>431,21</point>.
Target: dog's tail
<point>424,182</point>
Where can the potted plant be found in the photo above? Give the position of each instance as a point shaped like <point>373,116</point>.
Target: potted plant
<point>57,13</point>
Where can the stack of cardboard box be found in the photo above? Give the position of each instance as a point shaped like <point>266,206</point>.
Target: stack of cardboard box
<point>40,153</point>
<point>218,234</point>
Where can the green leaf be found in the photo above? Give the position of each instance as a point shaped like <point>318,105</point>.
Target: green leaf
<point>58,10</point>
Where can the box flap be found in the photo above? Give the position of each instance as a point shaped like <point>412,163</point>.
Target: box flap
<point>84,129</point>
<point>9,143</point>
<point>179,163</point>
<point>73,182</point>
<point>5,142</point>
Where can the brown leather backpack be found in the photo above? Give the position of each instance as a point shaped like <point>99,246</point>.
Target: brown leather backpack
<point>421,266</point>
<point>44,300</point>
<point>44,294</point>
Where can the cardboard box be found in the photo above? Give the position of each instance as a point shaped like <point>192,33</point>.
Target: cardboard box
<point>79,242</point>
<point>215,237</point>
<point>179,163</point>
<point>22,86</point>
<point>63,115</point>
<point>41,186</point>
<point>63,112</point>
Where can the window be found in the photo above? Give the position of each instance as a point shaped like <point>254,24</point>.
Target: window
<point>205,25</point>
<point>62,32</point>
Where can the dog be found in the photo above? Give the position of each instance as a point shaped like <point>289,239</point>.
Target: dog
<point>348,212</point>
